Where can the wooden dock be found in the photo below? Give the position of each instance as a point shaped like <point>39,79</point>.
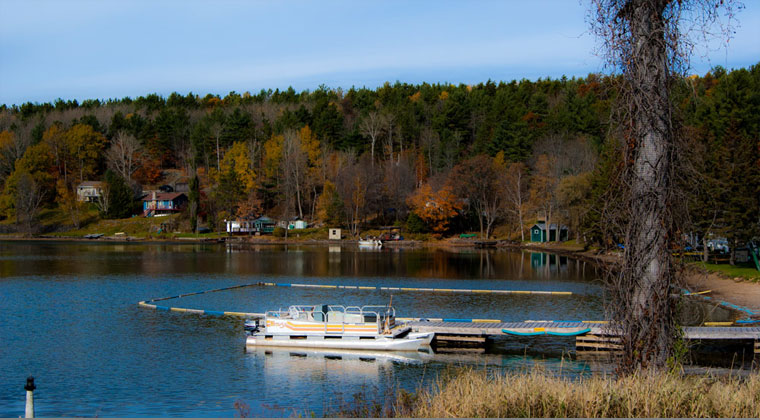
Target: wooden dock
<point>597,336</point>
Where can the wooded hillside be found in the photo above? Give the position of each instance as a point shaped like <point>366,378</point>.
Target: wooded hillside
<point>444,159</point>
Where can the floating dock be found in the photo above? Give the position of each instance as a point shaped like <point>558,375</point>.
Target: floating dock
<point>589,336</point>
<point>595,336</point>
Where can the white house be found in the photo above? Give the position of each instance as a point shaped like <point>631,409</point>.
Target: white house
<point>89,191</point>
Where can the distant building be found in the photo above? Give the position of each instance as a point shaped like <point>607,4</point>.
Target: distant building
<point>258,226</point>
<point>264,224</point>
<point>181,187</point>
<point>159,204</point>
<point>90,191</point>
<point>538,232</point>
<point>240,227</point>
<point>334,234</point>
<point>297,224</point>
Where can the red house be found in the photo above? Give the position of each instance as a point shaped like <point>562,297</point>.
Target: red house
<point>158,203</point>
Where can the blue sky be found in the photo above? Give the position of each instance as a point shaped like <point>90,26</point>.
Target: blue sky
<point>111,49</point>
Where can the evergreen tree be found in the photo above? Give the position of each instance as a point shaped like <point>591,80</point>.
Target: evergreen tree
<point>120,197</point>
<point>194,196</point>
<point>514,138</point>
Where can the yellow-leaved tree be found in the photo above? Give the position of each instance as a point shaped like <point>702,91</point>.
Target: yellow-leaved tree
<point>273,156</point>
<point>316,176</point>
<point>84,148</point>
<point>30,183</point>
<point>238,160</point>
<point>7,154</point>
<point>69,204</point>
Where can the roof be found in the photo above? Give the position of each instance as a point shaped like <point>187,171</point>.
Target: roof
<point>91,184</point>
<point>264,219</point>
<point>553,226</point>
<point>161,196</point>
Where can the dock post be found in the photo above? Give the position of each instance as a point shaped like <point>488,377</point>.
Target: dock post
<point>29,387</point>
<point>757,348</point>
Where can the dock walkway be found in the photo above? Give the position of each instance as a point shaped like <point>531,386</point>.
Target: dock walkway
<point>589,336</point>
<point>528,327</point>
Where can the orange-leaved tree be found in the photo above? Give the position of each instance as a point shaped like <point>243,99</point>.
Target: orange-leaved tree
<point>435,208</point>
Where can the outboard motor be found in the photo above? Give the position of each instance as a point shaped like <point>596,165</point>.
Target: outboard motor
<point>251,326</point>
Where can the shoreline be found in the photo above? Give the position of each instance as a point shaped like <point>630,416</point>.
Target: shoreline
<point>723,290</point>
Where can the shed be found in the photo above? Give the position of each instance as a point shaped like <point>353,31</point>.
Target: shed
<point>334,234</point>
<point>297,224</point>
<point>538,232</point>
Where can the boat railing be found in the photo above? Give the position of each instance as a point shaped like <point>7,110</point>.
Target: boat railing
<point>362,312</point>
<point>317,314</point>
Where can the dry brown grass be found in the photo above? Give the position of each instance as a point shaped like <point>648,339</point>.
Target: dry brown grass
<point>476,394</point>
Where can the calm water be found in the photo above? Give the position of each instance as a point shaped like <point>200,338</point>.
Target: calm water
<point>69,317</point>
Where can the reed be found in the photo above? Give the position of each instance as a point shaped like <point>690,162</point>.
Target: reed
<point>537,394</point>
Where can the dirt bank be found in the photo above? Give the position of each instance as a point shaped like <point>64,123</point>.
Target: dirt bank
<point>738,292</point>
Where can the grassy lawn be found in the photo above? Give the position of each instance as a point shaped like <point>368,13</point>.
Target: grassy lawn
<point>210,235</point>
<point>300,234</point>
<point>140,227</point>
<point>571,245</point>
<point>748,272</point>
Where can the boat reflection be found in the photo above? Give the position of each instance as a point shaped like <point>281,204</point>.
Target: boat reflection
<point>294,363</point>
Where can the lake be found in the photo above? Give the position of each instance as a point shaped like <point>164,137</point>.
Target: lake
<point>69,317</point>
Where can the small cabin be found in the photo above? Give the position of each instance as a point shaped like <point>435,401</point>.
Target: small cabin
<point>538,232</point>
<point>334,234</point>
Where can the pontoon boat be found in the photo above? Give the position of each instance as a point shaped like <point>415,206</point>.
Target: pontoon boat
<point>334,327</point>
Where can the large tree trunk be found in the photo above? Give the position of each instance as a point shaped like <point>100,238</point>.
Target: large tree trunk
<point>647,267</point>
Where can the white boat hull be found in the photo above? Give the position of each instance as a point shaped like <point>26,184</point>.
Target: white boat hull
<point>382,343</point>
<point>427,338</point>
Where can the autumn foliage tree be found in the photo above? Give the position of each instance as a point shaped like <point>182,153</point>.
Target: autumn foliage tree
<point>35,169</point>
<point>435,208</point>
<point>8,154</point>
<point>84,147</point>
<point>330,206</point>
